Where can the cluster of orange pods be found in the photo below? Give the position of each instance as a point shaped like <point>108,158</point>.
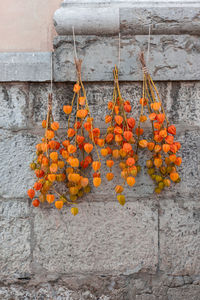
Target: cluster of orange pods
<point>68,161</point>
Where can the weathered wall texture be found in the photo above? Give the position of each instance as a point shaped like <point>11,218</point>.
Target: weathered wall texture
<point>146,250</point>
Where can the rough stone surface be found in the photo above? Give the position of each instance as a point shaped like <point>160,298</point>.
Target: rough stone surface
<point>100,54</point>
<point>16,154</point>
<point>146,250</point>
<point>99,287</point>
<point>179,236</point>
<point>15,246</point>
<point>65,244</point>
<point>24,105</point>
<point>181,102</point>
<point>127,17</point>
<point>25,66</point>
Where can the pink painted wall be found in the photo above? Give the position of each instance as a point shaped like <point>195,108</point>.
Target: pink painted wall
<point>27,25</point>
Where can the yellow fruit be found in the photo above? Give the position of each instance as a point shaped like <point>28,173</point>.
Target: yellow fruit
<point>74,210</point>
<point>121,199</point>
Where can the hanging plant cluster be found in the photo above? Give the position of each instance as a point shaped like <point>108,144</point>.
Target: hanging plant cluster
<point>162,167</point>
<point>69,161</point>
<point>48,165</point>
<point>80,145</point>
<point>119,140</point>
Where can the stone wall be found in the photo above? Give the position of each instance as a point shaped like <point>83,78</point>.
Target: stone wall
<point>146,250</point>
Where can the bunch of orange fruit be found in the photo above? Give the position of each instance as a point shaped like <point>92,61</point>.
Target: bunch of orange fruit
<point>48,165</point>
<point>162,166</point>
<point>69,160</point>
<point>119,140</point>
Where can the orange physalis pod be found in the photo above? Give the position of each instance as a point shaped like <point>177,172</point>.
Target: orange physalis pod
<point>104,152</point>
<point>174,176</point>
<point>96,165</point>
<point>169,139</point>
<point>49,134</point>
<point>152,116</point>
<point>115,153</point>
<point>55,126</point>
<point>81,100</point>
<point>108,119</point>
<point>158,162</point>
<point>82,113</point>
<point>97,181</point>
<point>156,106</point>
<point>119,189</point>
<point>160,118</point>
<point>118,120</point>
<point>44,123</point>
<point>76,88</point>
<point>166,148</point>
<point>128,135</point>
<point>157,148</point>
<point>150,146</point>
<point>109,176</point>
<point>139,131</point>
<point>50,198</point>
<point>67,109</point>
<point>54,156</point>
<point>130,180</point>
<point>110,163</point>
<point>71,149</point>
<point>59,204</point>
<point>70,132</point>
<point>131,122</point>
<point>172,129</point>
<point>130,161</point>
<point>143,143</point>
<point>88,147</point>
<point>127,147</point>
<point>31,193</point>
<point>143,101</point>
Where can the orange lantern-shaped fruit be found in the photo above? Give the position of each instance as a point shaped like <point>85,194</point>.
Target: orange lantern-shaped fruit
<point>110,163</point>
<point>130,181</point>
<point>67,109</point>
<point>174,176</point>
<point>96,165</point>
<point>104,152</point>
<point>59,204</point>
<point>109,176</point>
<point>76,88</point>
<point>50,198</point>
<point>118,120</point>
<point>88,147</point>
<point>127,147</point>
<point>171,129</point>
<point>128,135</point>
<point>97,181</point>
<point>158,162</point>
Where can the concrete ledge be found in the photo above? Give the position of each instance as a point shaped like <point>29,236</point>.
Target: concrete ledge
<point>25,66</point>
<point>172,57</point>
<point>127,17</point>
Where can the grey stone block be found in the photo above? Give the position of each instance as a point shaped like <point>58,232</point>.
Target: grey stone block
<point>127,17</point>
<point>181,101</point>
<point>16,154</point>
<point>14,240</point>
<point>116,240</point>
<point>25,66</point>
<point>172,57</point>
<point>14,100</point>
<point>179,237</point>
